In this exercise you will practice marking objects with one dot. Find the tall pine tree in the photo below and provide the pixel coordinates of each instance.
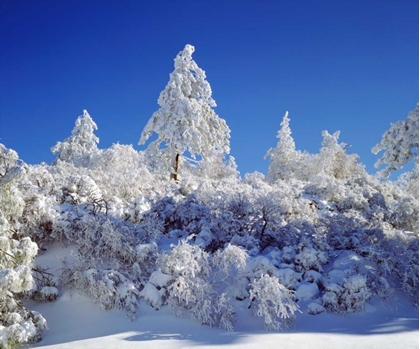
(185, 120)
(283, 158)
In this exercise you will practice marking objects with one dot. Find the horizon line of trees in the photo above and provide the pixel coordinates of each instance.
(186, 123)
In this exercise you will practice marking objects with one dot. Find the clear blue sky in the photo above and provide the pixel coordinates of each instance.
(349, 65)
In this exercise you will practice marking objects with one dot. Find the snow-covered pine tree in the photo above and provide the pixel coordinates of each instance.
(400, 143)
(81, 145)
(185, 120)
(283, 158)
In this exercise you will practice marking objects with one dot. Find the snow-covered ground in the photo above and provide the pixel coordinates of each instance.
(75, 322)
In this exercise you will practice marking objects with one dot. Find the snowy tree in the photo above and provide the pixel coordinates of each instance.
(185, 120)
(17, 324)
(121, 171)
(400, 143)
(333, 159)
(11, 203)
(81, 145)
(283, 158)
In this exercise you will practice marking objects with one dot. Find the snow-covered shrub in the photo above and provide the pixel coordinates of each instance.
(45, 286)
(188, 280)
(306, 291)
(121, 172)
(17, 323)
(162, 213)
(151, 228)
(382, 288)
(229, 260)
(271, 300)
(111, 264)
(403, 252)
(334, 161)
(189, 267)
(315, 308)
(39, 217)
(343, 231)
(241, 210)
(191, 216)
(20, 329)
(106, 287)
(310, 259)
(289, 278)
(349, 297)
(155, 291)
(225, 312)
(228, 266)
(146, 257)
(135, 209)
(45, 294)
(83, 190)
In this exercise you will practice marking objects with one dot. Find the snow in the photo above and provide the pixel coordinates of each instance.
(75, 322)
(306, 291)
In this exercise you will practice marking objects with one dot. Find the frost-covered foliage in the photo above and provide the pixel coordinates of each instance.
(289, 164)
(81, 146)
(284, 159)
(215, 167)
(273, 301)
(185, 120)
(400, 144)
(111, 264)
(189, 279)
(334, 161)
(349, 297)
(122, 172)
(17, 323)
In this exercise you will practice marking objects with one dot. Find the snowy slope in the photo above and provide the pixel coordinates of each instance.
(74, 322)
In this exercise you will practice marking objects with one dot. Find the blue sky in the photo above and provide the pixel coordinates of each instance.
(334, 65)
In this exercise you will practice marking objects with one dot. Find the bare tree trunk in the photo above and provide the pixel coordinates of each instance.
(174, 174)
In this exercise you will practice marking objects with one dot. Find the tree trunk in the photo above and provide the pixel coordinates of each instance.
(174, 174)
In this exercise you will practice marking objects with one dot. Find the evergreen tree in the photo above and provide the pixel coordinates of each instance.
(400, 143)
(283, 158)
(81, 145)
(185, 120)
